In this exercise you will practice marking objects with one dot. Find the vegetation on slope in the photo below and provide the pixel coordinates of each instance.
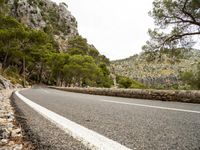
(160, 70)
(191, 78)
(177, 23)
(37, 51)
(125, 82)
(167, 60)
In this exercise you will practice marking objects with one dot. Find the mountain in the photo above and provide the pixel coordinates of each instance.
(39, 41)
(45, 15)
(158, 69)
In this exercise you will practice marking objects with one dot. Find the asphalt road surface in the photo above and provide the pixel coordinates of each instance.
(134, 123)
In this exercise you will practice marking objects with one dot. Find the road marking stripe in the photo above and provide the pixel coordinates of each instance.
(151, 106)
(89, 138)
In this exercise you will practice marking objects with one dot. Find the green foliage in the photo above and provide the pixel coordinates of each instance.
(104, 79)
(125, 82)
(181, 20)
(81, 66)
(78, 70)
(79, 46)
(137, 85)
(19, 43)
(191, 78)
(12, 74)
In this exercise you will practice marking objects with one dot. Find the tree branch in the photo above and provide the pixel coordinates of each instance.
(182, 20)
(178, 36)
(189, 14)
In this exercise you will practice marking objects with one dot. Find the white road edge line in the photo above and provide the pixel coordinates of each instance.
(89, 138)
(151, 106)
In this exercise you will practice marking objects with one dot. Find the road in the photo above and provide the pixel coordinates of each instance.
(133, 123)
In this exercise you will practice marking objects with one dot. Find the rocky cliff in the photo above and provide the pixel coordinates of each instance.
(45, 15)
(158, 69)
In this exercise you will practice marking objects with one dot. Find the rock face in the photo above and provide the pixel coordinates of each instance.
(5, 84)
(46, 15)
(160, 70)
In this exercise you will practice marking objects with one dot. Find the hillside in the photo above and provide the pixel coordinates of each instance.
(39, 41)
(158, 69)
(45, 15)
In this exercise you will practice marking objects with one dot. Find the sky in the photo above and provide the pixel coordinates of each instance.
(117, 28)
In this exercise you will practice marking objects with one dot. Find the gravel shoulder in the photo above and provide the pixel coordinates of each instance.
(11, 137)
(43, 134)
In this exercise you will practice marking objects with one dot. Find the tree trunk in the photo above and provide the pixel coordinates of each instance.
(40, 73)
(31, 70)
(5, 60)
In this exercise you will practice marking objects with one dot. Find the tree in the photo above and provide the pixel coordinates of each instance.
(57, 64)
(177, 21)
(81, 70)
(191, 78)
(18, 43)
(77, 46)
(124, 82)
(81, 66)
(103, 78)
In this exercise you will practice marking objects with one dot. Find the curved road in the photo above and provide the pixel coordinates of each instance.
(133, 123)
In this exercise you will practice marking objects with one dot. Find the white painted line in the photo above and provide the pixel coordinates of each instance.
(89, 138)
(151, 106)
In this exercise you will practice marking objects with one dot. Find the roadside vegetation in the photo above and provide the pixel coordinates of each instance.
(191, 79)
(35, 55)
(125, 82)
(177, 26)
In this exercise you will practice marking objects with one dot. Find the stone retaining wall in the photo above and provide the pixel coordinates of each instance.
(163, 95)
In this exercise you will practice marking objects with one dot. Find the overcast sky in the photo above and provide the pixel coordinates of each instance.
(117, 28)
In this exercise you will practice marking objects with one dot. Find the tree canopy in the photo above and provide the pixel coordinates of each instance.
(79, 65)
(177, 21)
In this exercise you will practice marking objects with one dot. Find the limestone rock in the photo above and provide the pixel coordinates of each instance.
(48, 16)
(5, 84)
(157, 70)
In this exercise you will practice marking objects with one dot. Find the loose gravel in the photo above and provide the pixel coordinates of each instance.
(11, 137)
(43, 134)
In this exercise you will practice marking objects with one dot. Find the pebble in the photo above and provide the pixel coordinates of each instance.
(10, 126)
(4, 141)
(18, 147)
(16, 133)
(7, 128)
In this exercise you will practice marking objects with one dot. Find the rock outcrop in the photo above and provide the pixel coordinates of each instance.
(159, 70)
(5, 83)
(46, 15)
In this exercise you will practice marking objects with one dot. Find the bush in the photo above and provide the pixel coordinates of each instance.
(12, 74)
(191, 78)
(125, 82)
